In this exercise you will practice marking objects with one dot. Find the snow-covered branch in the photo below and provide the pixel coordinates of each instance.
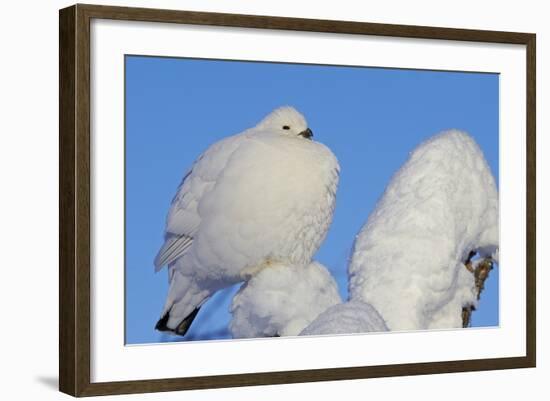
(282, 300)
(347, 318)
(409, 258)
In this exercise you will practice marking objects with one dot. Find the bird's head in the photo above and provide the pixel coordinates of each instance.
(286, 121)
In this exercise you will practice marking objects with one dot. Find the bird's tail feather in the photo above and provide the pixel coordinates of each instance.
(182, 328)
(185, 297)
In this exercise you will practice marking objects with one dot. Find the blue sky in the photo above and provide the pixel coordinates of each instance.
(371, 118)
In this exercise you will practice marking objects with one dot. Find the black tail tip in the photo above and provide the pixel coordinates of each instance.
(161, 324)
(182, 328)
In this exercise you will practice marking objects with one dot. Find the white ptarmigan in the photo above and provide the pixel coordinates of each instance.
(251, 200)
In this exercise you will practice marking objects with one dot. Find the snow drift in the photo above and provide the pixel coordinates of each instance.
(408, 259)
(347, 318)
(281, 300)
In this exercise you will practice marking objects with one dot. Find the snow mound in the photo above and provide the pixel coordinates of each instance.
(281, 300)
(408, 259)
(347, 318)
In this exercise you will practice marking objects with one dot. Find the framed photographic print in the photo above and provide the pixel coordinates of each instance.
(250, 200)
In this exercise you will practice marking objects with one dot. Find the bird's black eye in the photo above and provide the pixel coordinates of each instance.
(286, 127)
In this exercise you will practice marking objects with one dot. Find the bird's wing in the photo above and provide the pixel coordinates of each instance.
(183, 218)
(173, 247)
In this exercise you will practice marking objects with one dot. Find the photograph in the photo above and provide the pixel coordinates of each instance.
(261, 199)
(275, 199)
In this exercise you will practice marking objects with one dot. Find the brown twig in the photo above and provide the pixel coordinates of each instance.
(481, 272)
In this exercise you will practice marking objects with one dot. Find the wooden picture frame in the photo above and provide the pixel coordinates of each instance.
(75, 199)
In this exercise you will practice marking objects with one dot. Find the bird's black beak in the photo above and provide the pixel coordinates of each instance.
(306, 134)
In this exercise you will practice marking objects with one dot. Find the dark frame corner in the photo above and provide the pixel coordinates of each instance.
(74, 198)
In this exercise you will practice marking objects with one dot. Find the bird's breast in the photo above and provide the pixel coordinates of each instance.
(274, 200)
